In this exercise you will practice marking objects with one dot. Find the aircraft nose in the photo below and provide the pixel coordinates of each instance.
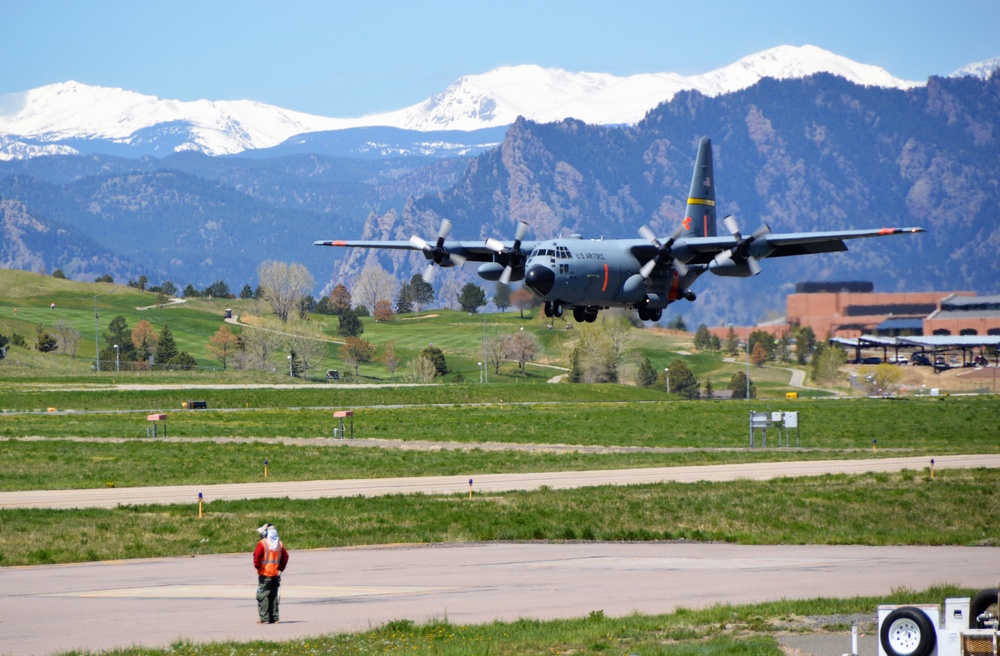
(540, 279)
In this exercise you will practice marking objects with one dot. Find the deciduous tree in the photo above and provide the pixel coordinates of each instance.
(356, 351)
(310, 346)
(144, 339)
(521, 348)
(390, 358)
(283, 285)
(340, 299)
(523, 299)
(373, 285)
(383, 311)
(223, 344)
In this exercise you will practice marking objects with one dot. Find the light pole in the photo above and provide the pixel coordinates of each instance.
(748, 364)
(486, 358)
(289, 366)
(480, 365)
(666, 377)
(118, 359)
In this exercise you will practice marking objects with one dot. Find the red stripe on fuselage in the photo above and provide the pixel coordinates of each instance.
(604, 287)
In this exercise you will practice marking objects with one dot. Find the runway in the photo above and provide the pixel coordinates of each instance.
(100, 606)
(180, 494)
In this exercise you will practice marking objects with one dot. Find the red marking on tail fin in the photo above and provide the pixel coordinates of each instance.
(687, 223)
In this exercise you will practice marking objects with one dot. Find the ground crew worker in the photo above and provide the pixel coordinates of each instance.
(270, 558)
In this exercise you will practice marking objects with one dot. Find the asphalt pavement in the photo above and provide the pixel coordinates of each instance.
(157, 602)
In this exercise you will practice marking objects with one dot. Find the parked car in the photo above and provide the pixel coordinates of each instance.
(919, 359)
(900, 360)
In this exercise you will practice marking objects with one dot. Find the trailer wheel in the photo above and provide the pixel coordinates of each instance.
(979, 604)
(907, 631)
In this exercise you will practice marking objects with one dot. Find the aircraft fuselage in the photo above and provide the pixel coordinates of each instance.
(596, 274)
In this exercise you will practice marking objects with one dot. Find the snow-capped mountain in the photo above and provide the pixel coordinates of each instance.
(544, 95)
(982, 69)
(64, 117)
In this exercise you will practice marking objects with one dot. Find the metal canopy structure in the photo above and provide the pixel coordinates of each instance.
(934, 344)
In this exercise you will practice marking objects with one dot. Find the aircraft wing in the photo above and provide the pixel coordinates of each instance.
(806, 243)
(782, 245)
(473, 251)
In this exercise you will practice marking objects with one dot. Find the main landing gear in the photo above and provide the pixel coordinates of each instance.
(649, 314)
(581, 314)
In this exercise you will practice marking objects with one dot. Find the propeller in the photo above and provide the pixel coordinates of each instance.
(515, 258)
(437, 254)
(742, 248)
(663, 253)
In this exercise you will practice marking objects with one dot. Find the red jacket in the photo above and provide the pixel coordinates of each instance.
(266, 565)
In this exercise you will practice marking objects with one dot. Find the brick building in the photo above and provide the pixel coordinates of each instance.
(852, 309)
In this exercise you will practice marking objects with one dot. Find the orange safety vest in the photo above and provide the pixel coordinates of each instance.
(272, 559)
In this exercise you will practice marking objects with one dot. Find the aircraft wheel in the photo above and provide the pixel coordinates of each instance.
(643, 313)
(580, 314)
(907, 631)
(548, 309)
(980, 604)
(591, 316)
(557, 309)
(655, 315)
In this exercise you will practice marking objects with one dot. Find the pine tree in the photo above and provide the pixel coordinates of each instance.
(501, 297)
(738, 386)
(646, 375)
(421, 292)
(166, 347)
(350, 325)
(682, 380)
(436, 356)
(471, 298)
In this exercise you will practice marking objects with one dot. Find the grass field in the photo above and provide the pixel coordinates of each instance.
(720, 630)
(194, 321)
(832, 509)
(94, 438)
(684, 432)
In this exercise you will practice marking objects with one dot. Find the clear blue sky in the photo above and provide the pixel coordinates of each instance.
(345, 59)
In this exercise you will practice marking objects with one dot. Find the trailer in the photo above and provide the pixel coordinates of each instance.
(963, 626)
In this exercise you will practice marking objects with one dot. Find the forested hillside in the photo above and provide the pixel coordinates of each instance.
(808, 154)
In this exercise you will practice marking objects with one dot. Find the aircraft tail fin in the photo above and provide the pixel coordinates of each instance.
(699, 219)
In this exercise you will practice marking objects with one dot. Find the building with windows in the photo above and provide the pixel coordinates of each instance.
(853, 309)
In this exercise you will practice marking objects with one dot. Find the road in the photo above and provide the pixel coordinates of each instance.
(157, 602)
(180, 494)
(100, 606)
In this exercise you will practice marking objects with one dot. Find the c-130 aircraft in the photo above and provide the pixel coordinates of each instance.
(589, 275)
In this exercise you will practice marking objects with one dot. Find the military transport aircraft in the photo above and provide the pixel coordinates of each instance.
(647, 274)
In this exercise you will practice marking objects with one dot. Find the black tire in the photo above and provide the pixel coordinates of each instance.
(983, 600)
(907, 631)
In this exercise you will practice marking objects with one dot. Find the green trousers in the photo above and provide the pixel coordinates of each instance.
(267, 598)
